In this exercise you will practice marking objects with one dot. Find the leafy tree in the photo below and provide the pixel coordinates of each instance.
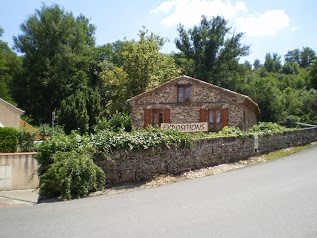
(313, 74)
(10, 65)
(82, 110)
(265, 92)
(293, 56)
(136, 67)
(214, 50)
(57, 50)
(298, 104)
(272, 62)
(282, 91)
(307, 57)
(290, 68)
(257, 64)
(95, 108)
(73, 113)
(115, 84)
(145, 65)
(303, 58)
(4, 91)
(187, 65)
(247, 65)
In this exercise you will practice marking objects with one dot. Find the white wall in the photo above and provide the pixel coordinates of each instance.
(18, 171)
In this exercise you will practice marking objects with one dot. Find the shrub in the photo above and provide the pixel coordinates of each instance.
(231, 131)
(118, 122)
(106, 141)
(26, 140)
(59, 142)
(8, 140)
(262, 128)
(71, 175)
(45, 131)
(267, 128)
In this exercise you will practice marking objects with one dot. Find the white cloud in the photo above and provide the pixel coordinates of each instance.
(164, 7)
(268, 23)
(189, 12)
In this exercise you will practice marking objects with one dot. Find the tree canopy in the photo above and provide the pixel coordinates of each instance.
(302, 58)
(136, 67)
(10, 65)
(214, 51)
(57, 50)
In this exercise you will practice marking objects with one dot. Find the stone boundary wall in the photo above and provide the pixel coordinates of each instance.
(16, 170)
(287, 139)
(133, 166)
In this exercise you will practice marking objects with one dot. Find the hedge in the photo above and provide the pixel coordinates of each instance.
(8, 140)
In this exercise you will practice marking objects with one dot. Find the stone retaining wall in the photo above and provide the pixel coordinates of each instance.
(132, 166)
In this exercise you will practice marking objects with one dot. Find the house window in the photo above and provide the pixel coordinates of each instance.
(183, 94)
(215, 119)
(158, 117)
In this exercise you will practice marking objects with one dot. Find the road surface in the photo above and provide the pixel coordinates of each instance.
(275, 199)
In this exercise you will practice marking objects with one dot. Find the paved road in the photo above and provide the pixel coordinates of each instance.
(276, 199)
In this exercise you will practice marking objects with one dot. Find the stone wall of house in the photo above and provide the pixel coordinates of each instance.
(132, 166)
(201, 96)
(250, 117)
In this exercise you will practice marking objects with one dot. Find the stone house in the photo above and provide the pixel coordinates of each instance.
(9, 115)
(189, 104)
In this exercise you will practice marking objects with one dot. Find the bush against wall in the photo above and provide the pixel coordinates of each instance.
(26, 140)
(71, 175)
(56, 143)
(61, 152)
(8, 140)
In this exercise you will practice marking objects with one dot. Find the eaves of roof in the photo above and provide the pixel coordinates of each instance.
(11, 106)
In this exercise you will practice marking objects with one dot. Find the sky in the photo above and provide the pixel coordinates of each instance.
(270, 26)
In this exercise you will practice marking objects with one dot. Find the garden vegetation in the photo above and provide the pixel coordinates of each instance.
(66, 162)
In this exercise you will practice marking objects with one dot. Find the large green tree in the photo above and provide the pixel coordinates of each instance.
(272, 62)
(303, 58)
(133, 67)
(57, 49)
(266, 93)
(73, 113)
(10, 65)
(283, 91)
(212, 51)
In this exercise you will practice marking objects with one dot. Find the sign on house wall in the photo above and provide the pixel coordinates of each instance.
(188, 127)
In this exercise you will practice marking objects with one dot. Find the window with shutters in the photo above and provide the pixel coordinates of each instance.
(183, 94)
(158, 117)
(217, 118)
(155, 117)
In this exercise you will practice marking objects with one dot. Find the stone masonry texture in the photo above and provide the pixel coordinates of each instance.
(242, 110)
(134, 166)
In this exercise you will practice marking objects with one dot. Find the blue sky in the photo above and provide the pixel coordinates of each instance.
(270, 25)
